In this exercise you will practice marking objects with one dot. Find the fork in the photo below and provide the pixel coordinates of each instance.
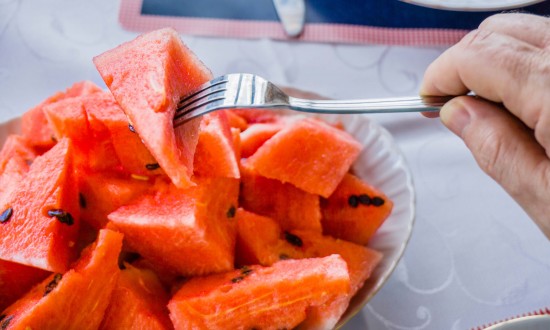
(243, 90)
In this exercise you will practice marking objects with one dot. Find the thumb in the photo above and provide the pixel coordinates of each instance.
(506, 150)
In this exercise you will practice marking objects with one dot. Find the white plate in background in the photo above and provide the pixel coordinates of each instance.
(473, 5)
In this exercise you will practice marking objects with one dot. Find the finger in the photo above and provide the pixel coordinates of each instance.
(532, 29)
(506, 150)
(497, 67)
(430, 114)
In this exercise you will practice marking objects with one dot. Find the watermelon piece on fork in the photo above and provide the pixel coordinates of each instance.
(148, 76)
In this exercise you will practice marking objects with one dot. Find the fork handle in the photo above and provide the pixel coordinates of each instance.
(404, 104)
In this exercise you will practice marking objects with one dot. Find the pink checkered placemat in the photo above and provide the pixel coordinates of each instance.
(131, 18)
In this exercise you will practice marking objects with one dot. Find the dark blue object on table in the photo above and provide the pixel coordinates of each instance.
(377, 13)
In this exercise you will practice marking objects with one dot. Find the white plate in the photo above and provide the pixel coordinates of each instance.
(382, 165)
(535, 322)
(473, 5)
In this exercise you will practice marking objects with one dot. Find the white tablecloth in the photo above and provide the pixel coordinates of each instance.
(474, 256)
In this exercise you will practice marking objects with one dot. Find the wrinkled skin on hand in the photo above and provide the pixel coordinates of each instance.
(506, 62)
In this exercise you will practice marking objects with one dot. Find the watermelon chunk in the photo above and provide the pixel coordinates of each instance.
(254, 116)
(292, 207)
(76, 299)
(256, 135)
(215, 153)
(10, 179)
(67, 118)
(109, 121)
(256, 297)
(236, 121)
(16, 280)
(260, 240)
(103, 192)
(43, 226)
(236, 133)
(309, 154)
(191, 231)
(148, 76)
(138, 302)
(355, 210)
(34, 125)
(16, 146)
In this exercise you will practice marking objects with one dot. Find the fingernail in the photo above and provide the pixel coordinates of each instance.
(455, 116)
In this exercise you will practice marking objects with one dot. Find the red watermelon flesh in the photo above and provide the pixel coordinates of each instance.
(138, 302)
(355, 210)
(16, 280)
(236, 121)
(103, 192)
(70, 118)
(256, 135)
(14, 172)
(109, 120)
(260, 240)
(31, 236)
(309, 154)
(254, 116)
(215, 153)
(76, 299)
(256, 297)
(191, 231)
(67, 118)
(34, 125)
(361, 263)
(292, 207)
(16, 146)
(236, 134)
(148, 76)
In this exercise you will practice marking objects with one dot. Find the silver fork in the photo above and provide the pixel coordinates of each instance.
(242, 90)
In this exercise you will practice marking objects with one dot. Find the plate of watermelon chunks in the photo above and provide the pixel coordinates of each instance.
(111, 218)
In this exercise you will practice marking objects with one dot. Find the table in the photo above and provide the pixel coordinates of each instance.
(474, 256)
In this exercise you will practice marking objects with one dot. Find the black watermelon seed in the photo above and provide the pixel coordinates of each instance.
(2, 317)
(293, 239)
(53, 283)
(5, 321)
(131, 128)
(81, 200)
(246, 271)
(283, 256)
(6, 215)
(364, 199)
(353, 201)
(377, 201)
(152, 167)
(62, 216)
(231, 212)
(237, 279)
(54, 139)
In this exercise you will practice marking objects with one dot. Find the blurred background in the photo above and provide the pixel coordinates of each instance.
(474, 256)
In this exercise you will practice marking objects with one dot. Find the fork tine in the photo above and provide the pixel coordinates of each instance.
(200, 102)
(204, 91)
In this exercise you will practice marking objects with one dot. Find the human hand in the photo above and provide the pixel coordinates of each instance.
(506, 62)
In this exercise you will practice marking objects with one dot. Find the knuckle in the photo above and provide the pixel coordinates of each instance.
(476, 38)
